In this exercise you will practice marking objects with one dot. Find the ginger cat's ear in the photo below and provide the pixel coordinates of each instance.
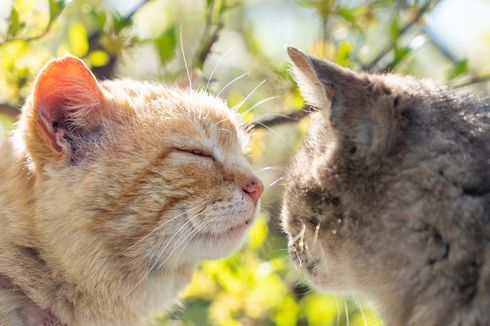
(67, 99)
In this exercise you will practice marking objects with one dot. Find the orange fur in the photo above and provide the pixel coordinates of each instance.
(109, 229)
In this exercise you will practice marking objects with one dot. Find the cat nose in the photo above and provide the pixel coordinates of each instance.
(254, 188)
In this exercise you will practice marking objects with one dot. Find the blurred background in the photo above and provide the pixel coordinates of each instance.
(235, 48)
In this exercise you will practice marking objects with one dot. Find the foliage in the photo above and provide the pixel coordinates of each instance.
(221, 41)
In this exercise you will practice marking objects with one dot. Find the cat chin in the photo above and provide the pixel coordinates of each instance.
(215, 246)
(225, 238)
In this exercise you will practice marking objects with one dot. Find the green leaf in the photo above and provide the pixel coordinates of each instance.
(344, 51)
(98, 58)
(400, 53)
(166, 44)
(320, 309)
(395, 28)
(15, 25)
(99, 16)
(78, 39)
(347, 14)
(55, 9)
(459, 68)
(226, 6)
(119, 22)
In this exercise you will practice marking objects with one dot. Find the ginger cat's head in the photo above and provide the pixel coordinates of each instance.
(132, 178)
(390, 194)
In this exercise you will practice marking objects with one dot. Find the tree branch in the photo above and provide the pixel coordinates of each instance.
(107, 71)
(474, 80)
(207, 46)
(35, 37)
(278, 119)
(421, 12)
(9, 110)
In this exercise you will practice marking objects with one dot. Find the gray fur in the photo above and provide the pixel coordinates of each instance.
(395, 180)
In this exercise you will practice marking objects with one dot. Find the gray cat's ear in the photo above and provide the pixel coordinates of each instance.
(315, 93)
(360, 108)
(322, 82)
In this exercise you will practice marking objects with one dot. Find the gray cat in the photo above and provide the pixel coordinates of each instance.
(390, 195)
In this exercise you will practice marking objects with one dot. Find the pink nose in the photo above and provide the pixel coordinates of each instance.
(254, 188)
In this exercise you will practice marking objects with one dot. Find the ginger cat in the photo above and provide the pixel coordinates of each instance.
(111, 193)
(390, 195)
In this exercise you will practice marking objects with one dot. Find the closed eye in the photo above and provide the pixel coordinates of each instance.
(196, 152)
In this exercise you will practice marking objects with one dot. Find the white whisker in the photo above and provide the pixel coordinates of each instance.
(297, 256)
(337, 304)
(275, 181)
(361, 309)
(162, 251)
(187, 239)
(346, 308)
(267, 168)
(300, 234)
(231, 82)
(216, 67)
(317, 229)
(274, 132)
(217, 123)
(170, 241)
(183, 57)
(157, 228)
(259, 103)
(239, 105)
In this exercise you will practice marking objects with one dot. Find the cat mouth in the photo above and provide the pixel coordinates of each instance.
(230, 232)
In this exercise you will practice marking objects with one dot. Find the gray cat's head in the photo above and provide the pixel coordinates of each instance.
(391, 186)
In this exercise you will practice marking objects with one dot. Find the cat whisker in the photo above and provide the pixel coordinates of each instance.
(300, 234)
(361, 309)
(275, 181)
(259, 103)
(162, 252)
(346, 309)
(217, 123)
(225, 131)
(274, 132)
(239, 105)
(337, 304)
(267, 168)
(156, 229)
(231, 82)
(317, 229)
(152, 263)
(170, 241)
(185, 239)
(183, 57)
(300, 263)
(216, 67)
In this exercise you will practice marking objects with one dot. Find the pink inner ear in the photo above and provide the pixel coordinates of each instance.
(66, 91)
(330, 91)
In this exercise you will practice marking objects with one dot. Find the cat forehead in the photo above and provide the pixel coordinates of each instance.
(193, 113)
(408, 85)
